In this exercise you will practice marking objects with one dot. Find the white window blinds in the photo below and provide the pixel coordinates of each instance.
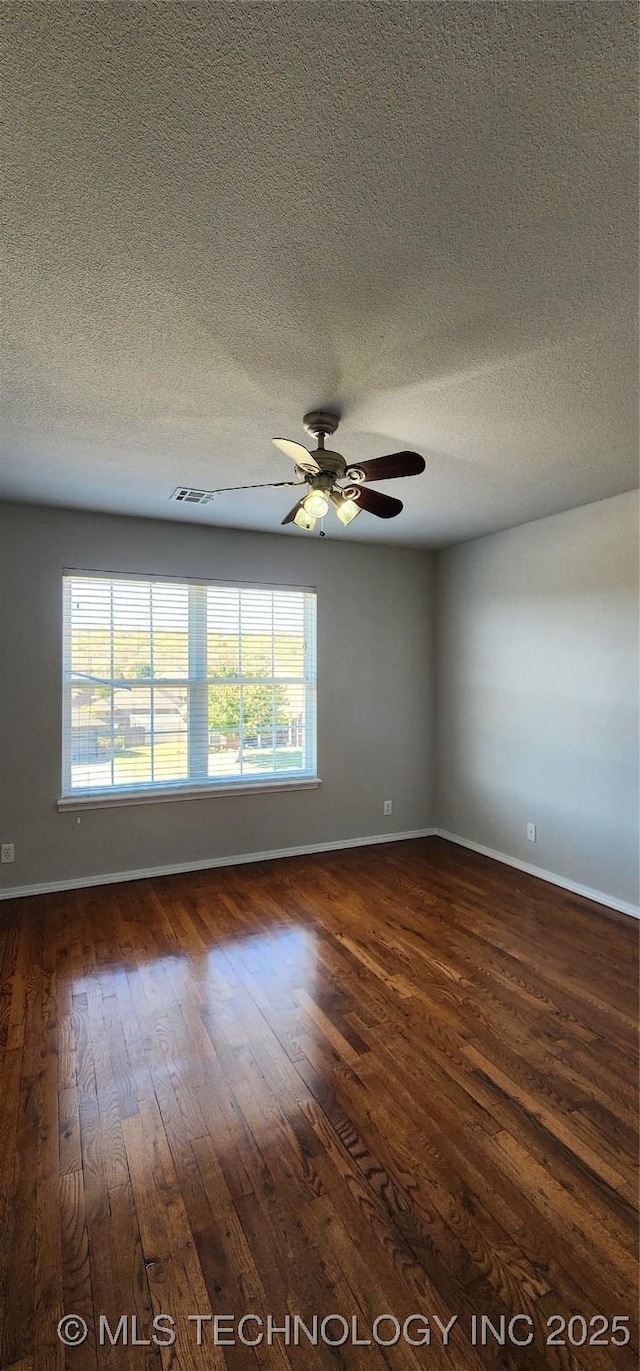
(176, 685)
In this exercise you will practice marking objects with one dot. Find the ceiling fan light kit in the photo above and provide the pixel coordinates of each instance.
(332, 482)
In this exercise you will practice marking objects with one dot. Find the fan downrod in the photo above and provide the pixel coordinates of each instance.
(319, 423)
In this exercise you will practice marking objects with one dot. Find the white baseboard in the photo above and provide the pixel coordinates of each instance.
(623, 906)
(112, 877)
(209, 863)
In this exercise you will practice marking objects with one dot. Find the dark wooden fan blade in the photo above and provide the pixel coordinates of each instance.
(396, 464)
(384, 506)
(289, 518)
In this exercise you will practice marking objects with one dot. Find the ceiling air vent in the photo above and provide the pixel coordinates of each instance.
(186, 495)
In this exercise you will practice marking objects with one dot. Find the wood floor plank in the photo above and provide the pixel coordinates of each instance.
(240, 1257)
(19, 1276)
(76, 1270)
(386, 1080)
(174, 1272)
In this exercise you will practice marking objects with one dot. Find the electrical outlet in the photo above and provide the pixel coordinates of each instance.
(531, 833)
(387, 807)
(7, 852)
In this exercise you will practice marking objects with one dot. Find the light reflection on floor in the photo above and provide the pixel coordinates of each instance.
(210, 1018)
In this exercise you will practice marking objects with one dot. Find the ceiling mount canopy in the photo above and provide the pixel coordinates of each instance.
(318, 423)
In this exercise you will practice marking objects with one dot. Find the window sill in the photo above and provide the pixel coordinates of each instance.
(101, 800)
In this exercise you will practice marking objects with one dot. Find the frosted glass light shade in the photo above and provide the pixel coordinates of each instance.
(304, 520)
(316, 504)
(347, 511)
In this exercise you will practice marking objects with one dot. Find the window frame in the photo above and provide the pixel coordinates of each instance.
(198, 783)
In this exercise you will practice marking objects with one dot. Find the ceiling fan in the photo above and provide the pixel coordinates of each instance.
(333, 481)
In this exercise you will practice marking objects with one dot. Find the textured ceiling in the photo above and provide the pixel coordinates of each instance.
(220, 216)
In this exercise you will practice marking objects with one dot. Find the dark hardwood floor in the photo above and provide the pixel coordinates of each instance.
(397, 1080)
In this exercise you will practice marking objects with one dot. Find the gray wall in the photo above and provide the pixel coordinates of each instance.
(375, 650)
(536, 697)
(537, 693)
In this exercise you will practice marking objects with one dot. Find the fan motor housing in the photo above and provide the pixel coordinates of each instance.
(331, 462)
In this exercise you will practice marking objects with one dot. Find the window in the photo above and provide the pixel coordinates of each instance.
(172, 686)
